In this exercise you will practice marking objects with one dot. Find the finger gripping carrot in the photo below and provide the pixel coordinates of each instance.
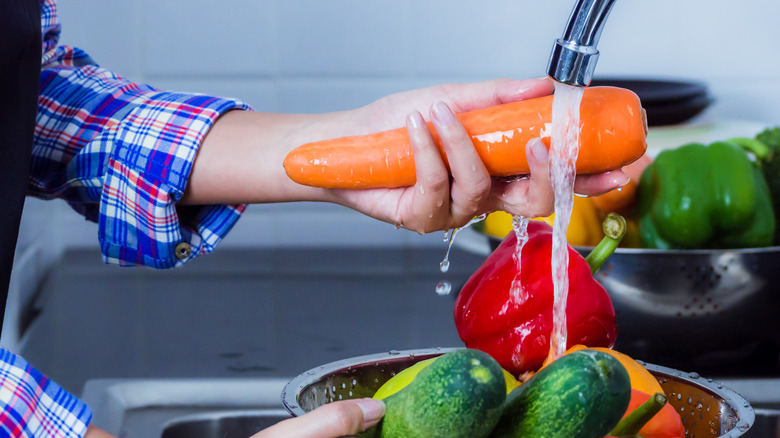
(612, 123)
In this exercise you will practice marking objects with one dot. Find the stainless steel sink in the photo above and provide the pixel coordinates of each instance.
(767, 423)
(192, 408)
(242, 424)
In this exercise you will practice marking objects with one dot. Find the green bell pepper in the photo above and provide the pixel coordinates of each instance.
(699, 196)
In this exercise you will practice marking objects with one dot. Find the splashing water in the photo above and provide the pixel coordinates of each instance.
(565, 143)
(517, 291)
(444, 287)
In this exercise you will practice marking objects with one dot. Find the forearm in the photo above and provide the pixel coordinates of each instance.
(240, 160)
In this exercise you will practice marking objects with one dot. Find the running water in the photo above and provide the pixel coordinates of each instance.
(520, 226)
(444, 287)
(565, 143)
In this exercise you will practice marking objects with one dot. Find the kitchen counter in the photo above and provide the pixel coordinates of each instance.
(271, 312)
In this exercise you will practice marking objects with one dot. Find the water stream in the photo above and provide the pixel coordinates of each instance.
(565, 140)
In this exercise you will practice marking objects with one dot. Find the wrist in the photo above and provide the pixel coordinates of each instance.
(241, 158)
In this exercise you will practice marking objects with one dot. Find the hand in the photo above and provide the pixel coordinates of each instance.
(332, 420)
(441, 201)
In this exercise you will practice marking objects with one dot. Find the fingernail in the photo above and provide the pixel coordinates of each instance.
(442, 113)
(414, 120)
(539, 150)
(619, 179)
(373, 410)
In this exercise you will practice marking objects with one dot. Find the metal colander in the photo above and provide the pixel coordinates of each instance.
(695, 309)
(707, 408)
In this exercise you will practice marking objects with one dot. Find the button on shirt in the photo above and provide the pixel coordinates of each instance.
(120, 154)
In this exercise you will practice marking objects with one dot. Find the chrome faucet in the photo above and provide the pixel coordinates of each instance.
(574, 55)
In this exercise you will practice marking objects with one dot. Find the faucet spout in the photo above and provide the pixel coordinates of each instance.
(574, 55)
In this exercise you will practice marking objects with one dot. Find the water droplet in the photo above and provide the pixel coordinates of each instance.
(619, 189)
(422, 190)
(393, 352)
(443, 288)
(693, 375)
(444, 266)
(397, 226)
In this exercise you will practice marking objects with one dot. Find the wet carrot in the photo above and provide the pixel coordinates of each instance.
(613, 130)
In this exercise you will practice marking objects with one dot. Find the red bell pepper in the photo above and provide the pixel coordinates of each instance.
(517, 334)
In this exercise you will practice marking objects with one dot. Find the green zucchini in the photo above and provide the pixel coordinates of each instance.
(459, 395)
(581, 395)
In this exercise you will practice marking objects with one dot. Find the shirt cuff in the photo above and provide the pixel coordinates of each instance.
(139, 222)
(31, 405)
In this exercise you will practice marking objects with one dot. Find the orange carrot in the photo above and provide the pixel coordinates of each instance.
(613, 130)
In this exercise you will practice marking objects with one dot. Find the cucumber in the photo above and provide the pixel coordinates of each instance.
(581, 395)
(405, 377)
(459, 395)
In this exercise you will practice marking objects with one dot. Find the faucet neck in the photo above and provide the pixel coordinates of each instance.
(574, 55)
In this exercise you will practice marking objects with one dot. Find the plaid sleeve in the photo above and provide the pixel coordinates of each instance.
(120, 153)
(31, 405)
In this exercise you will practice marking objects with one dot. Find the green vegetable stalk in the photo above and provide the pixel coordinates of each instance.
(614, 228)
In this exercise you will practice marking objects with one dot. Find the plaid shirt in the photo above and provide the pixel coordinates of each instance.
(120, 154)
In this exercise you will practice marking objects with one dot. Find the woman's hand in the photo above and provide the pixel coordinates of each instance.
(333, 420)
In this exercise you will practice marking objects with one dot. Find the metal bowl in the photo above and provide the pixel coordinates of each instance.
(695, 309)
(707, 408)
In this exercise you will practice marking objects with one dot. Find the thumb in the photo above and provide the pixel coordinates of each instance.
(346, 417)
(540, 190)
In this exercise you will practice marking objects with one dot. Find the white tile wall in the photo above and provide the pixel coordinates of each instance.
(316, 56)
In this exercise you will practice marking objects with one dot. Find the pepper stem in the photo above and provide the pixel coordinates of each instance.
(614, 227)
(636, 419)
(756, 147)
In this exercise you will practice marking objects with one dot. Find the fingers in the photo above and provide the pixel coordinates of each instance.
(431, 197)
(529, 197)
(471, 181)
(332, 420)
(594, 185)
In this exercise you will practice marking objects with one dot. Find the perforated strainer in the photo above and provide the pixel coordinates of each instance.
(695, 309)
(708, 409)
